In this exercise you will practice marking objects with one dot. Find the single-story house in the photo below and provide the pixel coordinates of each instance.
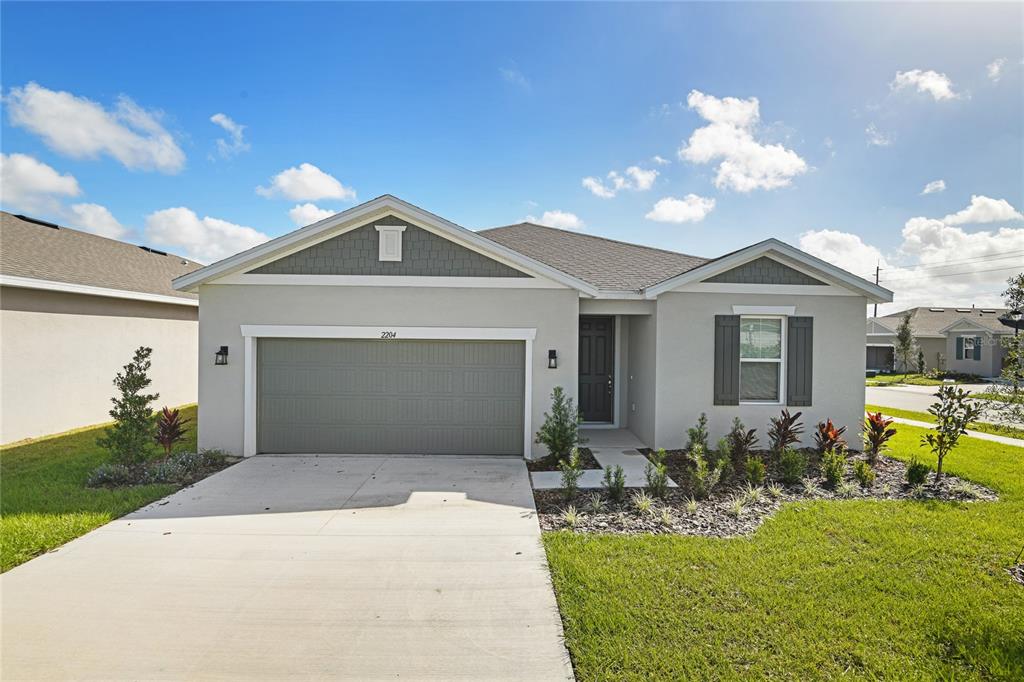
(964, 339)
(74, 306)
(387, 329)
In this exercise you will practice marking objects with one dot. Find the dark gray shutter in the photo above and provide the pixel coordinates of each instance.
(727, 359)
(799, 360)
(977, 348)
(959, 348)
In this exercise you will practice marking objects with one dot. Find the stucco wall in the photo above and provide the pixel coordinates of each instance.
(553, 312)
(685, 350)
(990, 364)
(933, 349)
(643, 376)
(59, 353)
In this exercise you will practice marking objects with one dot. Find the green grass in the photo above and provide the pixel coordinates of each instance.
(828, 589)
(914, 379)
(43, 499)
(983, 427)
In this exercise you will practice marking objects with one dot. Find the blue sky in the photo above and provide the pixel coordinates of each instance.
(487, 114)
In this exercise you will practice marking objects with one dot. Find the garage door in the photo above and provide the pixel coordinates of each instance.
(369, 396)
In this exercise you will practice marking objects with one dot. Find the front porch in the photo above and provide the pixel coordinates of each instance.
(610, 447)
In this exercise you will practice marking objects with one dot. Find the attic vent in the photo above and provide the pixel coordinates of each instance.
(152, 250)
(390, 244)
(963, 310)
(937, 310)
(37, 221)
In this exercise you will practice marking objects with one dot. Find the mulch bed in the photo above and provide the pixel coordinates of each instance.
(717, 516)
(550, 463)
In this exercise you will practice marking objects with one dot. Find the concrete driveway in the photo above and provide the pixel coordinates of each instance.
(356, 568)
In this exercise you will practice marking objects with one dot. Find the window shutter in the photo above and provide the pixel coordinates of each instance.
(727, 360)
(959, 348)
(977, 348)
(799, 360)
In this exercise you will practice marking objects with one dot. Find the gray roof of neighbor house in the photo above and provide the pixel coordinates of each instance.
(605, 263)
(36, 250)
(932, 320)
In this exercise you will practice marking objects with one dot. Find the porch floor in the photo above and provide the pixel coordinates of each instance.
(610, 447)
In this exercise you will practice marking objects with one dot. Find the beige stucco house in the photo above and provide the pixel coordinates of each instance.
(73, 308)
(387, 329)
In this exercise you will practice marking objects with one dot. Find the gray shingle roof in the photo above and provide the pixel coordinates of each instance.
(931, 321)
(607, 264)
(28, 249)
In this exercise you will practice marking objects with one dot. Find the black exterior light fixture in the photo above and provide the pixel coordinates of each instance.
(221, 356)
(552, 359)
(1013, 318)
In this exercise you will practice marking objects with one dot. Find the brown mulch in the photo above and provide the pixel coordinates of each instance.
(717, 515)
(550, 463)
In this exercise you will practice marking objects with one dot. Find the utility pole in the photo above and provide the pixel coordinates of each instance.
(877, 270)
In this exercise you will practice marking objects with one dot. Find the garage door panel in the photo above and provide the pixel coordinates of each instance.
(372, 396)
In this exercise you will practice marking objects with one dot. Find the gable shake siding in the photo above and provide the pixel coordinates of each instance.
(764, 270)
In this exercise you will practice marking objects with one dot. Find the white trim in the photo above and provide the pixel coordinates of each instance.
(751, 310)
(880, 345)
(786, 254)
(84, 289)
(383, 233)
(418, 281)
(251, 332)
(916, 336)
(616, 416)
(357, 215)
(970, 327)
(780, 361)
(777, 289)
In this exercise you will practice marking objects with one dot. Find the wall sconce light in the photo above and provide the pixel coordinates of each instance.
(552, 359)
(221, 356)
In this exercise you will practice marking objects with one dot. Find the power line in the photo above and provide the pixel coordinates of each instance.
(936, 266)
(952, 274)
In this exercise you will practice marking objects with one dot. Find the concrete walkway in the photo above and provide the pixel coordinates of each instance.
(351, 568)
(610, 447)
(973, 434)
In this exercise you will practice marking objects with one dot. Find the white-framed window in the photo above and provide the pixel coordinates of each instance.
(968, 344)
(390, 246)
(762, 358)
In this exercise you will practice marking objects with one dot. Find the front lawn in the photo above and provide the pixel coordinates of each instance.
(983, 427)
(43, 499)
(865, 589)
(914, 379)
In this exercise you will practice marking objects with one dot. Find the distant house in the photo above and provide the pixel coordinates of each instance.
(73, 308)
(956, 339)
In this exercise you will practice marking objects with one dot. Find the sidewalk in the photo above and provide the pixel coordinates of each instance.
(973, 434)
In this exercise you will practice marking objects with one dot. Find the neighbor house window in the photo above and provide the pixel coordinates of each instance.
(761, 359)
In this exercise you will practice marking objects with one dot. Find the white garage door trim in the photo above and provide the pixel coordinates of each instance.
(251, 332)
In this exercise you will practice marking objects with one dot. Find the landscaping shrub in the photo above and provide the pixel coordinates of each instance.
(755, 471)
(182, 468)
(784, 431)
(657, 473)
(917, 472)
(560, 432)
(864, 474)
(642, 502)
(793, 464)
(130, 439)
(828, 437)
(953, 414)
(833, 466)
(615, 482)
(704, 477)
(698, 434)
(571, 472)
(721, 457)
(877, 433)
(741, 443)
(170, 429)
(571, 516)
(110, 475)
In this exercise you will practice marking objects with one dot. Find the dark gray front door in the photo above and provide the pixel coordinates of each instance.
(597, 368)
(373, 396)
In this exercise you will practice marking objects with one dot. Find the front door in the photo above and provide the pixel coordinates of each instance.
(597, 368)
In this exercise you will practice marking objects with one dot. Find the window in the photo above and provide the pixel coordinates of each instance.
(968, 344)
(761, 340)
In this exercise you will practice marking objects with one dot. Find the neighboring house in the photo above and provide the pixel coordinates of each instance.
(73, 308)
(387, 329)
(955, 339)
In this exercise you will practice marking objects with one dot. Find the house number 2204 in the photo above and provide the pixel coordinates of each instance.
(388, 334)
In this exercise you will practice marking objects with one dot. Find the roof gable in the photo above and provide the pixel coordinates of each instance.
(764, 270)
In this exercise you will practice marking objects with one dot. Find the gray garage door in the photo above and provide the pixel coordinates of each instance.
(371, 396)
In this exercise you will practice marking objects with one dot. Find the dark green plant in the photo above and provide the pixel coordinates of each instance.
(657, 473)
(741, 443)
(170, 429)
(703, 478)
(864, 474)
(953, 413)
(698, 433)
(920, 361)
(784, 431)
(917, 471)
(905, 347)
(560, 432)
(793, 465)
(130, 439)
(755, 471)
(615, 482)
(571, 472)
(833, 466)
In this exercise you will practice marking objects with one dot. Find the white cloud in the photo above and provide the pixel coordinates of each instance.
(634, 178)
(307, 214)
(556, 218)
(236, 143)
(81, 128)
(938, 85)
(934, 186)
(984, 210)
(746, 164)
(660, 160)
(96, 219)
(995, 69)
(689, 209)
(306, 183)
(30, 185)
(877, 138)
(513, 75)
(201, 239)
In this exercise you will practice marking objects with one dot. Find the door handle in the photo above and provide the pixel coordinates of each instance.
(611, 387)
